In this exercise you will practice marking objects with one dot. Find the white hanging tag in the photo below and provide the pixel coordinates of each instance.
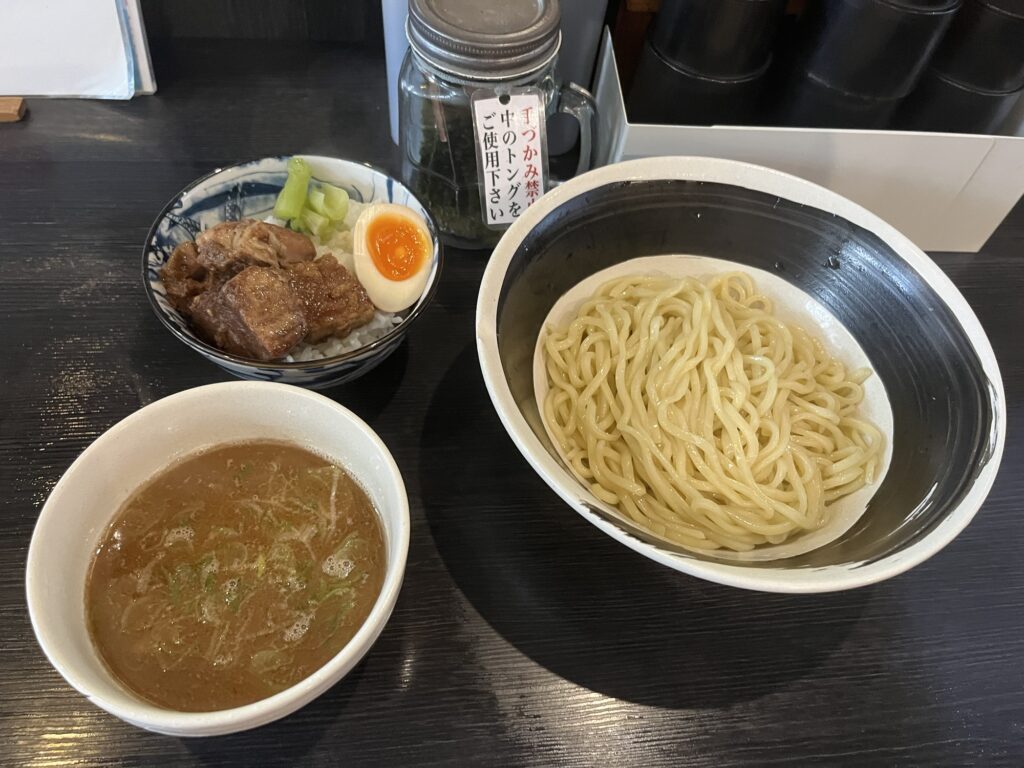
(511, 152)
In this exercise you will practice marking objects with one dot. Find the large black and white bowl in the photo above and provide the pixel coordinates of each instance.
(248, 190)
(922, 338)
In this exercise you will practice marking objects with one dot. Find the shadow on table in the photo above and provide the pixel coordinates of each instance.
(285, 741)
(587, 608)
(179, 367)
(368, 395)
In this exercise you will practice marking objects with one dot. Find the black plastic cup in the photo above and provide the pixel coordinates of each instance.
(942, 105)
(716, 38)
(872, 48)
(984, 48)
(807, 102)
(665, 93)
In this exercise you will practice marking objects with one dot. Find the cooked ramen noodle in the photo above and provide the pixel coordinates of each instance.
(702, 416)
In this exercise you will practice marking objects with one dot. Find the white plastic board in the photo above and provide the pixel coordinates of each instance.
(68, 48)
(947, 192)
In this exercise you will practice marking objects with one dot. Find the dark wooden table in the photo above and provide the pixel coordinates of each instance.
(522, 634)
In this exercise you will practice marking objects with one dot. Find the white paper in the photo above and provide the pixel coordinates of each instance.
(793, 306)
(64, 48)
(510, 152)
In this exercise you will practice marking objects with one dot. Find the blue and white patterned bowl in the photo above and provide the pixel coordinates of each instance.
(248, 190)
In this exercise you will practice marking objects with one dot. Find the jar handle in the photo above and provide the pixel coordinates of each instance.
(576, 100)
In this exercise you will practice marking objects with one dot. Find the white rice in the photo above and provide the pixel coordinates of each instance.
(343, 255)
(380, 326)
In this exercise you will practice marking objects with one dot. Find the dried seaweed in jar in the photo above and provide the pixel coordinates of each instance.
(440, 167)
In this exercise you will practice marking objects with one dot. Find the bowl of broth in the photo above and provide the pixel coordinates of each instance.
(219, 558)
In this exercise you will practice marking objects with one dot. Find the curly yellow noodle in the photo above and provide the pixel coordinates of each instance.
(701, 416)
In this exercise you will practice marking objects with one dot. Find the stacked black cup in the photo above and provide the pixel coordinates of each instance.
(704, 62)
(857, 59)
(977, 74)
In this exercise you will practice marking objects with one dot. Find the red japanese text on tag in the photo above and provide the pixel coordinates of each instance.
(509, 132)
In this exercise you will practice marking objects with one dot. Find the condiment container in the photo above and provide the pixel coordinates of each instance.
(664, 92)
(943, 105)
(810, 103)
(475, 92)
(716, 38)
(872, 48)
(984, 48)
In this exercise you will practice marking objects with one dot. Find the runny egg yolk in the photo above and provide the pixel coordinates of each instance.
(396, 246)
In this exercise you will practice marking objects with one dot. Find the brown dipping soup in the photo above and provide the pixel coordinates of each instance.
(233, 575)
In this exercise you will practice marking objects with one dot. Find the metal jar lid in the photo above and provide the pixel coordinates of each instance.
(484, 39)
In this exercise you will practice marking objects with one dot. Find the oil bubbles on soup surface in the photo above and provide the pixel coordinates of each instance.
(233, 575)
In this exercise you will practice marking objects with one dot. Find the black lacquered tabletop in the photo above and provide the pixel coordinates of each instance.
(522, 636)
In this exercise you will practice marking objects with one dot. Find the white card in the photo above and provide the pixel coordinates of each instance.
(65, 48)
(510, 151)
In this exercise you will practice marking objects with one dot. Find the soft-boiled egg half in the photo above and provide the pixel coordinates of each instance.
(393, 254)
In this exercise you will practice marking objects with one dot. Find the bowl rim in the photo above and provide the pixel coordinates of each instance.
(234, 360)
(801, 191)
(136, 711)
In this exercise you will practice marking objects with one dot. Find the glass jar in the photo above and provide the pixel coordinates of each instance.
(446, 67)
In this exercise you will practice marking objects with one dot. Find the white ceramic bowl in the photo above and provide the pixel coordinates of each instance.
(924, 343)
(91, 492)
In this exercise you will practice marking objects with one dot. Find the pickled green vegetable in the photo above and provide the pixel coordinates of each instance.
(335, 202)
(293, 194)
(329, 201)
(315, 201)
(316, 224)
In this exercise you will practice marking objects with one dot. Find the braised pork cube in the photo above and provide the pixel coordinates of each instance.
(233, 245)
(333, 300)
(255, 314)
(184, 277)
